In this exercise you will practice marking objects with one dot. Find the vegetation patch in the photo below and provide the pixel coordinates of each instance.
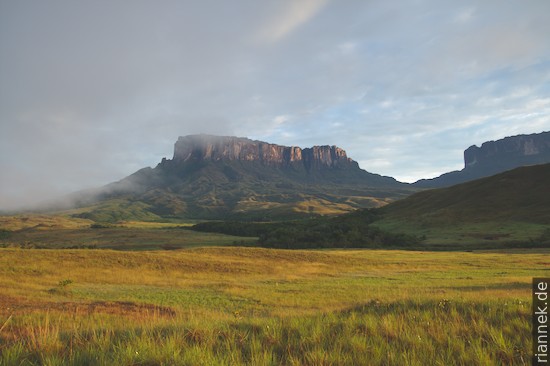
(348, 231)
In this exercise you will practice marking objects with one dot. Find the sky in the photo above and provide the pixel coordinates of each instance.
(92, 91)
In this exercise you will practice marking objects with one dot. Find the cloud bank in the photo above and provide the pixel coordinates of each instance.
(92, 91)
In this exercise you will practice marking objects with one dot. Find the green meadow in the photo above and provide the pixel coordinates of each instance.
(471, 235)
(252, 306)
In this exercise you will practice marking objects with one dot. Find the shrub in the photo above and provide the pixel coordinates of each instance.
(101, 225)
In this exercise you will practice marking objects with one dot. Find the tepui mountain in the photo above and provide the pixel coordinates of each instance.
(225, 177)
(495, 157)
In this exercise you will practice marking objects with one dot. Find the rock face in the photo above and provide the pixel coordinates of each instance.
(494, 157)
(510, 151)
(227, 148)
(219, 177)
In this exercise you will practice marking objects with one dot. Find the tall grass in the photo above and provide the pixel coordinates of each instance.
(399, 333)
(245, 306)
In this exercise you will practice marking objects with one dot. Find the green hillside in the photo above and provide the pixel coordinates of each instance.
(522, 194)
(237, 190)
(510, 207)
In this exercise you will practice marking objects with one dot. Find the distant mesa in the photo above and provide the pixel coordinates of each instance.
(228, 148)
(227, 177)
(494, 157)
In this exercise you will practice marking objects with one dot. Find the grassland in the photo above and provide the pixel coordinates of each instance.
(61, 232)
(471, 235)
(253, 306)
(23, 222)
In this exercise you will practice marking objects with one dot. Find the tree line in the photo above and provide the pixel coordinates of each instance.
(348, 231)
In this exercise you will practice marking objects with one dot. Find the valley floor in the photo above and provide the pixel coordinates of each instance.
(253, 306)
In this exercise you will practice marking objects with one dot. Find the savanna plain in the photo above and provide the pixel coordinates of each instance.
(205, 300)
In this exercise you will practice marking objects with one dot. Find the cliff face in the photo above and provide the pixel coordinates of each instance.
(510, 151)
(495, 157)
(226, 148)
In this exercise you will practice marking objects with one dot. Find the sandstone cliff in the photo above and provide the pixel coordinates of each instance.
(228, 148)
(495, 157)
(510, 151)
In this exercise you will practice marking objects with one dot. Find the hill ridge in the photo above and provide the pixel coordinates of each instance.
(520, 194)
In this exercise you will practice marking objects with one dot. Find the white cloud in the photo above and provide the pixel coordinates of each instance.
(465, 15)
(294, 14)
(347, 47)
(90, 92)
(279, 120)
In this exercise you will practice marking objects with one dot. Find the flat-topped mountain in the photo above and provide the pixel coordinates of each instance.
(234, 177)
(217, 148)
(495, 157)
(238, 157)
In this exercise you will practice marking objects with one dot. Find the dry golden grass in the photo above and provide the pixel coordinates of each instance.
(322, 207)
(21, 222)
(312, 278)
(261, 306)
